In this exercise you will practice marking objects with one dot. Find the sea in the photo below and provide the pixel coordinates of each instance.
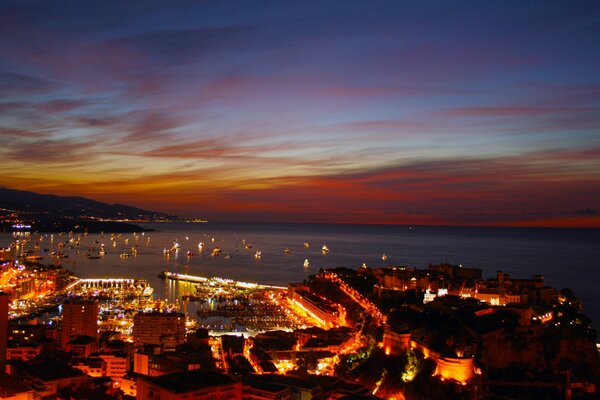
(568, 258)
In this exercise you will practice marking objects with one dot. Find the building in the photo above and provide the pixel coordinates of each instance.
(196, 384)
(255, 389)
(82, 346)
(23, 352)
(115, 365)
(92, 366)
(163, 329)
(3, 331)
(12, 389)
(79, 318)
(47, 378)
(395, 343)
(321, 310)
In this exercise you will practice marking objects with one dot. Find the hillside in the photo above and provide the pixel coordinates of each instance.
(76, 207)
(48, 213)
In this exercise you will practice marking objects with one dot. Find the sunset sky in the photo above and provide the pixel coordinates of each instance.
(424, 112)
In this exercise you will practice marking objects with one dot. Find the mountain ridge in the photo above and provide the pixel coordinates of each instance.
(73, 206)
(22, 209)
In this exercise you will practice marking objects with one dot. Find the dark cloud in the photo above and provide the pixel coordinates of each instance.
(586, 211)
(19, 84)
(172, 46)
(48, 151)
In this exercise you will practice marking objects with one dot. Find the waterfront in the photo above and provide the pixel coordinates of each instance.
(566, 257)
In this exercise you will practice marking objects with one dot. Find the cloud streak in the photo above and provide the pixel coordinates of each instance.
(475, 114)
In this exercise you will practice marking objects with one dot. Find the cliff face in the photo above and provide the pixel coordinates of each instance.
(540, 353)
(502, 349)
(578, 355)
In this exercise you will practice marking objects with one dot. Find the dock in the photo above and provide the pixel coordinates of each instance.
(217, 281)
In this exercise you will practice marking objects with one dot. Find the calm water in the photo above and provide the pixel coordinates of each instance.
(566, 257)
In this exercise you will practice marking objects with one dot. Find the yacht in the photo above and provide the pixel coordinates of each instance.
(258, 255)
(325, 249)
(306, 264)
(286, 251)
(216, 251)
(383, 257)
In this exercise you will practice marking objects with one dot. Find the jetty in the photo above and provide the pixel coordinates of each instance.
(216, 281)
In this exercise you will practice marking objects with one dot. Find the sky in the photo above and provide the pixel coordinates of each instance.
(387, 112)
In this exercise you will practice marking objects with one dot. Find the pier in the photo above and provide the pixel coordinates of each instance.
(216, 281)
(141, 286)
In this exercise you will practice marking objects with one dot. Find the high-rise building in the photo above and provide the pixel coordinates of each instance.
(163, 329)
(3, 331)
(79, 318)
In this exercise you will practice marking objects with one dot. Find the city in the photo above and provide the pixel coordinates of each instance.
(393, 332)
(296, 200)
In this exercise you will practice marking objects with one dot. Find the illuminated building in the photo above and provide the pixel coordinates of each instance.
(3, 331)
(115, 365)
(79, 318)
(48, 378)
(90, 366)
(503, 290)
(395, 343)
(24, 352)
(323, 311)
(197, 385)
(162, 329)
(455, 367)
(5, 254)
(82, 346)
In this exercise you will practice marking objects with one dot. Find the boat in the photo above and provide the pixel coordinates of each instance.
(227, 257)
(325, 249)
(383, 257)
(190, 254)
(248, 246)
(93, 257)
(258, 255)
(306, 245)
(216, 251)
(286, 251)
(34, 258)
(125, 255)
(306, 264)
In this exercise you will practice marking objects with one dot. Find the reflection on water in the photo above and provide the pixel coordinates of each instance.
(566, 257)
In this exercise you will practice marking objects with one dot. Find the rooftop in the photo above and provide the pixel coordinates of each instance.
(190, 380)
(51, 370)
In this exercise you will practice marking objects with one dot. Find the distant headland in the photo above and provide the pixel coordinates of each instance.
(23, 210)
